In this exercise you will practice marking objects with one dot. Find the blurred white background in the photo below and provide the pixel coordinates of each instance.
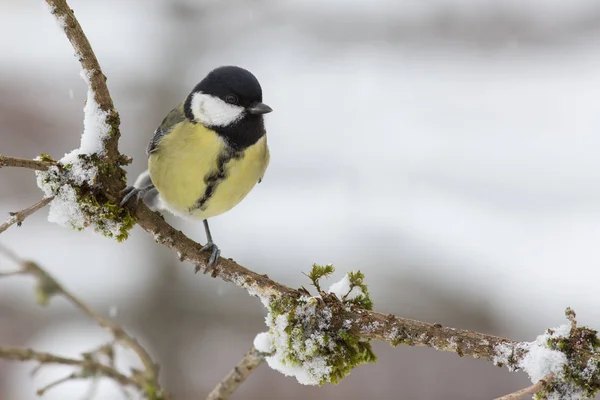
(448, 149)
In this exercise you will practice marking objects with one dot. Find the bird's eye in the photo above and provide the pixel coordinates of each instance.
(231, 99)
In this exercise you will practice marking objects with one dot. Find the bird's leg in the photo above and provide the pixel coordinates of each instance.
(131, 191)
(214, 255)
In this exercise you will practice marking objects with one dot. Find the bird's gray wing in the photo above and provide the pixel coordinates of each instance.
(173, 118)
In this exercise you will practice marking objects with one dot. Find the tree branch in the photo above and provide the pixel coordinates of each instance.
(188, 250)
(355, 322)
(364, 323)
(48, 286)
(97, 80)
(539, 385)
(25, 163)
(70, 377)
(91, 366)
(19, 216)
(396, 330)
(237, 375)
(115, 329)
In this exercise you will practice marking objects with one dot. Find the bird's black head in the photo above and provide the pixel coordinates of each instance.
(229, 101)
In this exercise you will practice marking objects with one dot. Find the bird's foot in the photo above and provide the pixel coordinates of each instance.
(214, 255)
(132, 191)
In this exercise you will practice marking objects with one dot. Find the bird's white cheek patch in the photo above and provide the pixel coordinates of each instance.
(212, 111)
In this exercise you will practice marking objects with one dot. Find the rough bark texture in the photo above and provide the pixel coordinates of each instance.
(84, 53)
(24, 163)
(364, 323)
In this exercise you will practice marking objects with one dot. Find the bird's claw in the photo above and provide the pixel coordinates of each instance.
(129, 192)
(214, 255)
(132, 191)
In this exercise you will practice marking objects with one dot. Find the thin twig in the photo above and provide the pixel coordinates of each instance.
(363, 323)
(25, 163)
(64, 15)
(93, 388)
(19, 216)
(237, 375)
(10, 273)
(30, 267)
(53, 384)
(536, 387)
(116, 330)
(151, 369)
(572, 317)
(22, 354)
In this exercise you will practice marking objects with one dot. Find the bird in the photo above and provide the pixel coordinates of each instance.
(208, 152)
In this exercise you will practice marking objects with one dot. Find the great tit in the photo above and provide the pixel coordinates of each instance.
(208, 152)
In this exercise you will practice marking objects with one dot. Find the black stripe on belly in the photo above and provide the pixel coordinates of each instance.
(213, 179)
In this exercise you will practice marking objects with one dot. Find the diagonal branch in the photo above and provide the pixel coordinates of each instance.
(115, 329)
(19, 216)
(237, 375)
(364, 323)
(25, 163)
(48, 286)
(360, 322)
(97, 81)
(58, 382)
(188, 250)
(536, 387)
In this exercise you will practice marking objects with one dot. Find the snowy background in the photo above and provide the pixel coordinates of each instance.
(448, 149)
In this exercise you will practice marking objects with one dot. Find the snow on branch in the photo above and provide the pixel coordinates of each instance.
(563, 363)
(37, 165)
(573, 354)
(317, 338)
(101, 133)
(85, 183)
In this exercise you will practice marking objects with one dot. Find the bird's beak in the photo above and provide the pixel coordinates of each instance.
(259, 108)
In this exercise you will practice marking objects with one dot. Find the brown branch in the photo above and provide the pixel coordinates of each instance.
(115, 329)
(25, 163)
(19, 216)
(396, 330)
(91, 366)
(70, 377)
(364, 323)
(63, 13)
(52, 287)
(188, 250)
(237, 375)
(536, 387)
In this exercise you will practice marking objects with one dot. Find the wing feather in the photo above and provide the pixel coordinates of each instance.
(176, 116)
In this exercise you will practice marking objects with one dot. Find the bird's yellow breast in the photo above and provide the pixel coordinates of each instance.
(197, 174)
